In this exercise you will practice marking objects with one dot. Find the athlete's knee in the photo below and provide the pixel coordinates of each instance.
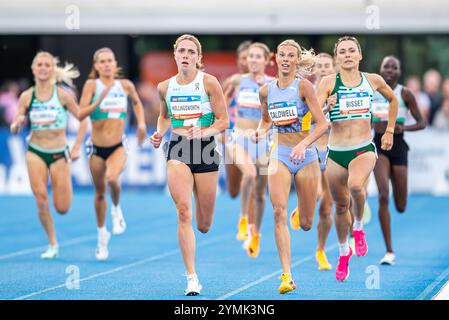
(184, 215)
(325, 208)
(233, 193)
(249, 178)
(62, 208)
(203, 227)
(306, 224)
(41, 199)
(100, 195)
(260, 196)
(280, 216)
(383, 197)
(356, 189)
(401, 206)
(112, 179)
(341, 207)
(325, 211)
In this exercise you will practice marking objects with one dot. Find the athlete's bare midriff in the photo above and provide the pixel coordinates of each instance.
(107, 133)
(245, 126)
(322, 142)
(182, 131)
(289, 139)
(49, 139)
(350, 132)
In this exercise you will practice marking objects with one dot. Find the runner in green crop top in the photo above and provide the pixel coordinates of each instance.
(351, 156)
(47, 155)
(108, 157)
(194, 104)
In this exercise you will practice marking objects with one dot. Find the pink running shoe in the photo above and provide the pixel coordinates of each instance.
(342, 271)
(361, 247)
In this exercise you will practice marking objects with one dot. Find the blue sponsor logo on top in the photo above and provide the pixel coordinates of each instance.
(185, 98)
(283, 104)
(354, 95)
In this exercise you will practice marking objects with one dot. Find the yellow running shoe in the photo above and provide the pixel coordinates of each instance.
(287, 283)
(294, 219)
(253, 245)
(242, 234)
(321, 259)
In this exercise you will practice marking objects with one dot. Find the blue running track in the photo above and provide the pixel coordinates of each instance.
(145, 262)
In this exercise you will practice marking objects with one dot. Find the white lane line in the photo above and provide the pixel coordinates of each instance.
(42, 248)
(271, 275)
(443, 294)
(124, 267)
(433, 285)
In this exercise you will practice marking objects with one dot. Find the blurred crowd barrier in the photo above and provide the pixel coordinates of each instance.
(146, 166)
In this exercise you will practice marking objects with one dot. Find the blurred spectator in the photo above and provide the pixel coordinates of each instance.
(150, 101)
(432, 86)
(441, 120)
(445, 88)
(422, 99)
(9, 101)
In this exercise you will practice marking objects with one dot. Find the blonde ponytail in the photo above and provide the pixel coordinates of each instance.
(64, 74)
(306, 57)
(307, 62)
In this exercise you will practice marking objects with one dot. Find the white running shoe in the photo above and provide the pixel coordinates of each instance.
(352, 243)
(102, 252)
(193, 285)
(118, 221)
(366, 213)
(51, 252)
(388, 259)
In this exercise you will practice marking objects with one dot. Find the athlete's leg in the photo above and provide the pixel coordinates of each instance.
(180, 183)
(234, 179)
(114, 167)
(325, 212)
(259, 199)
(38, 175)
(306, 184)
(382, 175)
(205, 194)
(98, 171)
(61, 183)
(248, 170)
(359, 171)
(233, 173)
(338, 184)
(399, 184)
(279, 179)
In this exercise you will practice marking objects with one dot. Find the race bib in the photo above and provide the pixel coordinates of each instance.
(354, 103)
(249, 98)
(185, 107)
(380, 109)
(43, 116)
(283, 113)
(113, 105)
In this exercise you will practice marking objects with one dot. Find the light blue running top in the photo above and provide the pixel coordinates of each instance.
(248, 102)
(286, 109)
